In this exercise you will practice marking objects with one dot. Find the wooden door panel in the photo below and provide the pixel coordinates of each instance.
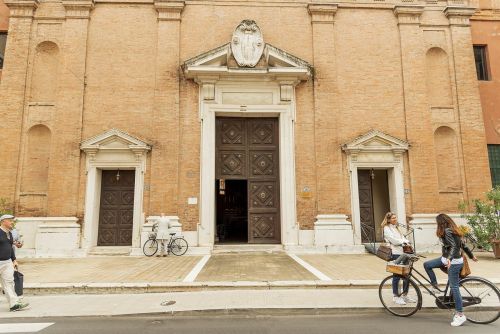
(232, 164)
(116, 209)
(263, 227)
(263, 180)
(262, 132)
(232, 131)
(247, 149)
(263, 163)
(365, 200)
(263, 195)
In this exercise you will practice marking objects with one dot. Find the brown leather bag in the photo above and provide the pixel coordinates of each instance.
(408, 249)
(384, 252)
(465, 271)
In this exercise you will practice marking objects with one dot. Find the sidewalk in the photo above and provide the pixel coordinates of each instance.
(249, 302)
(104, 275)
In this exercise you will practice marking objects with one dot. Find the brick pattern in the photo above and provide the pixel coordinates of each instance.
(120, 69)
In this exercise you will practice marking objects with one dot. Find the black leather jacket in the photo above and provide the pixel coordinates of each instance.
(452, 245)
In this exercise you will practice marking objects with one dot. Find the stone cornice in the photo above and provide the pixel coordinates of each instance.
(322, 13)
(78, 9)
(486, 15)
(169, 10)
(408, 14)
(22, 8)
(459, 16)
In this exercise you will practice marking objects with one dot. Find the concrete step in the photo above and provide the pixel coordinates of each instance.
(110, 251)
(247, 248)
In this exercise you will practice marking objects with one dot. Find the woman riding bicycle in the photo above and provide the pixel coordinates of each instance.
(451, 258)
(394, 236)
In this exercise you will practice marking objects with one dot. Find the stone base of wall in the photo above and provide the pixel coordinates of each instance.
(332, 234)
(49, 237)
(333, 230)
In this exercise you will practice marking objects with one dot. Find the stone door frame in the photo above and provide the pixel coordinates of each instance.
(112, 150)
(285, 112)
(377, 150)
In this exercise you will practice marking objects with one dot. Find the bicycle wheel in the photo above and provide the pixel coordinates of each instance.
(481, 300)
(388, 300)
(179, 246)
(150, 247)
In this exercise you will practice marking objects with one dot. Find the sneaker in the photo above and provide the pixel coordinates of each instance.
(409, 299)
(398, 300)
(19, 306)
(458, 320)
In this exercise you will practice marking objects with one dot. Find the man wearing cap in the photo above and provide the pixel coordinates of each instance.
(8, 263)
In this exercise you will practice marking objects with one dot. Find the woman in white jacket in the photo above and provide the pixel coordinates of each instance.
(396, 239)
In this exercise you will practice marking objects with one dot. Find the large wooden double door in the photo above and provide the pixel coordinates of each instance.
(248, 149)
(116, 210)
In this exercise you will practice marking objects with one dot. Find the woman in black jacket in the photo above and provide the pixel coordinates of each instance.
(451, 258)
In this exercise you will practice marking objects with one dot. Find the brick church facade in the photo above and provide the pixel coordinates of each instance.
(293, 123)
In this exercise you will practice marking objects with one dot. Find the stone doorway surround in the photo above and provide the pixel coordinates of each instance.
(266, 90)
(113, 149)
(376, 150)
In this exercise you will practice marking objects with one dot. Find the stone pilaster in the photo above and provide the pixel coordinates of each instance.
(418, 115)
(330, 182)
(472, 131)
(12, 91)
(165, 152)
(65, 151)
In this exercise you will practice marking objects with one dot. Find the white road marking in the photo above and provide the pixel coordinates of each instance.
(24, 327)
(196, 270)
(311, 269)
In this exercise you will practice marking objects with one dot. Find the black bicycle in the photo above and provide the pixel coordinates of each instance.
(480, 297)
(176, 245)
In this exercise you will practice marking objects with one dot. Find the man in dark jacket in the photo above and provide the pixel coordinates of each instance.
(8, 263)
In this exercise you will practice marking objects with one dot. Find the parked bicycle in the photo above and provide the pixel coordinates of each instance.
(481, 298)
(176, 245)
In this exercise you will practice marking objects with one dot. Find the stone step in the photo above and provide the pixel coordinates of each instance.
(109, 251)
(247, 248)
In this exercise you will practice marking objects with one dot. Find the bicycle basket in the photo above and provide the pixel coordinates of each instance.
(398, 269)
(152, 235)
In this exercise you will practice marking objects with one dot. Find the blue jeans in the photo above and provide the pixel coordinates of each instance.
(431, 264)
(395, 282)
(453, 280)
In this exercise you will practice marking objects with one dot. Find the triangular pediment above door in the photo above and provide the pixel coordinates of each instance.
(247, 55)
(375, 141)
(274, 61)
(114, 139)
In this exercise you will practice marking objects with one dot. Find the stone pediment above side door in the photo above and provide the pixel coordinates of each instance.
(114, 141)
(374, 142)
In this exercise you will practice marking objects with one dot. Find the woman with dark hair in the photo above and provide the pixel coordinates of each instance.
(451, 258)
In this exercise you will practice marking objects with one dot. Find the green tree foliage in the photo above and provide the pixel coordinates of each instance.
(483, 216)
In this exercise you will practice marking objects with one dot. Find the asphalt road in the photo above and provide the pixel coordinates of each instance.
(372, 322)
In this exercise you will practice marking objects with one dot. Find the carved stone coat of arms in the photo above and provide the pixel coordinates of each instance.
(247, 44)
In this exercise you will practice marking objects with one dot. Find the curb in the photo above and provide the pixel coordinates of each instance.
(155, 287)
(158, 287)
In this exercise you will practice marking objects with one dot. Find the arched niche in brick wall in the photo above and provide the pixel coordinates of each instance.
(447, 158)
(45, 72)
(438, 78)
(35, 171)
